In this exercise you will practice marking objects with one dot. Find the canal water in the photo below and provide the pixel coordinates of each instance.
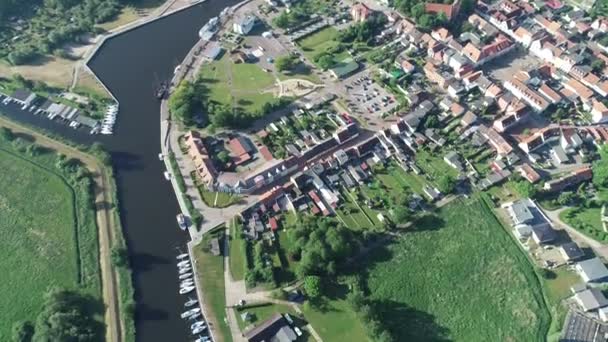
(131, 65)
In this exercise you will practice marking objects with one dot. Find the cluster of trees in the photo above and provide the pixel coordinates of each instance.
(262, 271)
(320, 245)
(327, 59)
(599, 9)
(66, 316)
(286, 63)
(301, 12)
(296, 16)
(363, 32)
(55, 23)
(525, 188)
(416, 10)
(188, 100)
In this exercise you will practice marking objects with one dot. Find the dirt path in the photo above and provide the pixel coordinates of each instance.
(105, 224)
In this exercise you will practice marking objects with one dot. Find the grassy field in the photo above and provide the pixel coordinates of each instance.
(218, 199)
(433, 164)
(586, 220)
(336, 321)
(239, 84)
(237, 254)
(319, 42)
(211, 277)
(458, 277)
(47, 242)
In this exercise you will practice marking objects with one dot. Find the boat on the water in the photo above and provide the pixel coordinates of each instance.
(185, 290)
(161, 90)
(182, 256)
(191, 302)
(183, 263)
(181, 221)
(185, 270)
(190, 312)
(185, 276)
(167, 175)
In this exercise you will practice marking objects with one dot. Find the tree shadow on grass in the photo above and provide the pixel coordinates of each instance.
(428, 222)
(408, 323)
(244, 102)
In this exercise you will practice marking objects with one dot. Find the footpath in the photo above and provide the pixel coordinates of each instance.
(105, 225)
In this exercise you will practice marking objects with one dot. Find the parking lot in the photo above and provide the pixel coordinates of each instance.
(265, 48)
(366, 97)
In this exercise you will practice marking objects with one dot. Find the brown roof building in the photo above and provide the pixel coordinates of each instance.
(202, 161)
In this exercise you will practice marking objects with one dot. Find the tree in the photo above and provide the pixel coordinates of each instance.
(525, 189)
(119, 256)
(23, 331)
(598, 65)
(66, 316)
(224, 157)
(401, 214)
(6, 134)
(446, 184)
(312, 286)
(287, 62)
(566, 198)
(325, 61)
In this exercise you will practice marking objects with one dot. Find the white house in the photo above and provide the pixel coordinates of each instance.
(244, 24)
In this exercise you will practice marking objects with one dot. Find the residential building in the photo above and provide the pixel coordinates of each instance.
(525, 212)
(571, 252)
(276, 329)
(599, 112)
(574, 178)
(202, 161)
(360, 12)
(591, 299)
(592, 270)
(244, 24)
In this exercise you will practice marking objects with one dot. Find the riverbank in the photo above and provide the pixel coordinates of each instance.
(115, 288)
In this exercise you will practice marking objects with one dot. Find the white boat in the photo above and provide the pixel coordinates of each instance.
(203, 339)
(182, 256)
(199, 330)
(187, 283)
(190, 312)
(197, 324)
(184, 270)
(185, 290)
(191, 302)
(185, 276)
(181, 221)
(160, 156)
(183, 263)
(195, 316)
(177, 69)
(167, 175)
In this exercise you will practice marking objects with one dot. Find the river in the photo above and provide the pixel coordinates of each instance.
(131, 65)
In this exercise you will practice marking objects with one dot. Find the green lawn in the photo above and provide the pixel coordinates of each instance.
(210, 270)
(321, 41)
(353, 217)
(396, 178)
(458, 277)
(586, 220)
(244, 85)
(433, 164)
(336, 321)
(218, 199)
(49, 236)
(238, 258)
